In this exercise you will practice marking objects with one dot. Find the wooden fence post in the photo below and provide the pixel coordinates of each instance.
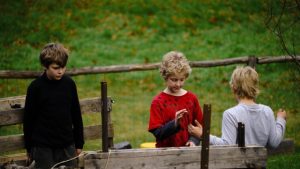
(241, 134)
(206, 132)
(252, 61)
(104, 116)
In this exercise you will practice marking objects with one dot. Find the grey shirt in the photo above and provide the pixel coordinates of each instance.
(260, 126)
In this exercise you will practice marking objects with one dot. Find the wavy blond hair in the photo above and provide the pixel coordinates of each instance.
(174, 62)
(244, 82)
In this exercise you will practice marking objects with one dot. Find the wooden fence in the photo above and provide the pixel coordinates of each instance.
(11, 112)
(181, 157)
(250, 60)
(12, 109)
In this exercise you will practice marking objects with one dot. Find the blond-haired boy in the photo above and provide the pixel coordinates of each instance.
(174, 109)
(261, 128)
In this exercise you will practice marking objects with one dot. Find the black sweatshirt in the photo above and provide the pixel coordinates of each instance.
(52, 116)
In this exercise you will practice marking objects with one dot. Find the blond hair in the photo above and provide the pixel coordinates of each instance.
(174, 63)
(54, 53)
(244, 82)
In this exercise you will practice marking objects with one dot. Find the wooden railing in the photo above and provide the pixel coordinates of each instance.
(179, 157)
(250, 60)
(11, 112)
(183, 157)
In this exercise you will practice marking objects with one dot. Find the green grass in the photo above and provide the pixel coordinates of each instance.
(284, 161)
(103, 33)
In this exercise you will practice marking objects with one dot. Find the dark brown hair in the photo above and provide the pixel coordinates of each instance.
(54, 53)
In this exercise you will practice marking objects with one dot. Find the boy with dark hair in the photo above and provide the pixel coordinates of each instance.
(53, 128)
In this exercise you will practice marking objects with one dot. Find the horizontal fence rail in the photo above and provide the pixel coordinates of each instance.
(12, 74)
(11, 116)
(179, 157)
(16, 142)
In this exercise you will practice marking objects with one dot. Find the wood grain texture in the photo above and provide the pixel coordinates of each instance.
(182, 157)
(16, 142)
(9, 116)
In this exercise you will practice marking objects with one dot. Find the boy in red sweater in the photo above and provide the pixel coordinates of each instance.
(174, 109)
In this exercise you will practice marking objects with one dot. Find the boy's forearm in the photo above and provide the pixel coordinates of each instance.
(166, 130)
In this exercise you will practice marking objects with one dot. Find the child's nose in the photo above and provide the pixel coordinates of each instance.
(60, 70)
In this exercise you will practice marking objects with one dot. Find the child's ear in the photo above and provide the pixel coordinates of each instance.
(233, 88)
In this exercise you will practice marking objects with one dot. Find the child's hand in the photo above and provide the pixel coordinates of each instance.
(178, 115)
(78, 151)
(281, 113)
(195, 131)
(190, 144)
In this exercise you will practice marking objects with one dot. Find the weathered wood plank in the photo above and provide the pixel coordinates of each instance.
(182, 157)
(87, 105)
(16, 142)
(7, 102)
(12, 142)
(93, 105)
(10, 116)
(17, 158)
(95, 132)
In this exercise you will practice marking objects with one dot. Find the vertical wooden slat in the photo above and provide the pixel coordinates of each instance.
(109, 109)
(205, 141)
(104, 118)
(241, 134)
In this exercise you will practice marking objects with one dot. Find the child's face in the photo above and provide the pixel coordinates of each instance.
(175, 82)
(55, 72)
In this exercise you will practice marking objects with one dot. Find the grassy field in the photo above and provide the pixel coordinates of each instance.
(102, 33)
